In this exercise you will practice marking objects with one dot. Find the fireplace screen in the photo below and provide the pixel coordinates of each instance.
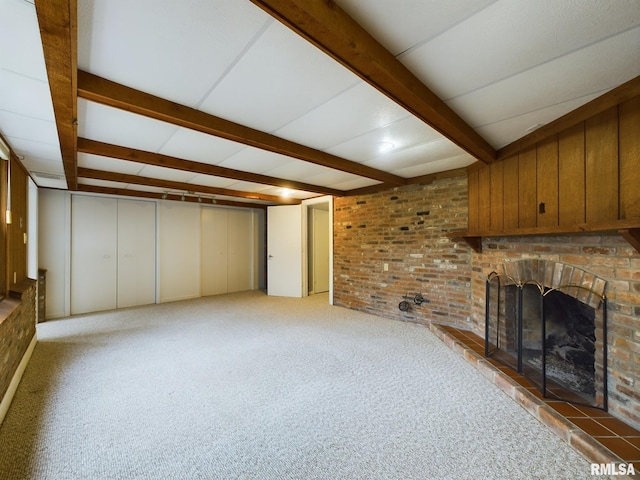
(555, 337)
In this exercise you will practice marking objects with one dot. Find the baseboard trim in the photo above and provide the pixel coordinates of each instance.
(15, 381)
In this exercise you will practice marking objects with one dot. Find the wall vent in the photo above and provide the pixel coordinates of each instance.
(48, 176)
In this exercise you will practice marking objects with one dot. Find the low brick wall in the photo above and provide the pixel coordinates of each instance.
(404, 228)
(17, 328)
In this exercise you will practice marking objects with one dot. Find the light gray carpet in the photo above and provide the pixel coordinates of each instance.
(246, 386)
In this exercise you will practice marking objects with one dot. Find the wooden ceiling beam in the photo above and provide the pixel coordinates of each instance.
(122, 192)
(173, 185)
(328, 27)
(148, 158)
(58, 30)
(106, 92)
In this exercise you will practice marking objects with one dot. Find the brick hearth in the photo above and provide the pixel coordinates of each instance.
(599, 436)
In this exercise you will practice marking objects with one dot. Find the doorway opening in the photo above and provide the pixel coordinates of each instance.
(318, 248)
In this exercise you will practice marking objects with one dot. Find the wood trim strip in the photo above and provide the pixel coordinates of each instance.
(173, 185)
(148, 158)
(106, 92)
(121, 192)
(58, 30)
(614, 226)
(328, 27)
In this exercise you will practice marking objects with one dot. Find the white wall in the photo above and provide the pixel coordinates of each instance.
(54, 241)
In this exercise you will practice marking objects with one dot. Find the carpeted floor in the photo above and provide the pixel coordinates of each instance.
(245, 386)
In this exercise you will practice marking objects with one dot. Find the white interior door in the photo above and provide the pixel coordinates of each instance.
(284, 251)
(136, 253)
(94, 229)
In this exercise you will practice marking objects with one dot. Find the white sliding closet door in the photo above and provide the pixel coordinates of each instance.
(136, 253)
(113, 253)
(227, 250)
(94, 229)
(214, 251)
(240, 259)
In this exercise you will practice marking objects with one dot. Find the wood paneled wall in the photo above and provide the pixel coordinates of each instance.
(16, 246)
(586, 174)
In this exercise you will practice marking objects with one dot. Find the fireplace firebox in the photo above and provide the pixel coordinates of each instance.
(548, 321)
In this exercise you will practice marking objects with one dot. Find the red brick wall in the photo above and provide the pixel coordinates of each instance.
(17, 328)
(404, 228)
(606, 256)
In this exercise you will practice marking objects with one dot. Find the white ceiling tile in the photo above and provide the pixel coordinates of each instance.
(359, 182)
(28, 128)
(199, 147)
(281, 77)
(24, 95)
(351, 114)
(298, 170)
(443, 165)
(210, 181)
(163, 173)
(248, 187)
(508, 38)
(278, 192)
(97, 162)
(504, 132)
(416, 18)
(31, 149)
(331, 178)
(175, 50)
(21, 50)
(254, 160)
(118, 127)
(43, 166)
(425, 153)
(599, 67)
(400, 134)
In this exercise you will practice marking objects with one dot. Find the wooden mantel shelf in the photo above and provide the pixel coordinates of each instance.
(628, 229)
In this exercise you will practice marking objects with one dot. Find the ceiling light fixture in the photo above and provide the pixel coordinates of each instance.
(164, 196)
(384, 147)
(285, 192)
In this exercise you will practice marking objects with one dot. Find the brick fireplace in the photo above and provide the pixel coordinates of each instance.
(607, 257)
(547, 321)
(406, 228)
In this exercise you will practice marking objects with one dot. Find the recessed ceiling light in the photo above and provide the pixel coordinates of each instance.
(384, 147)
(285, 192)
